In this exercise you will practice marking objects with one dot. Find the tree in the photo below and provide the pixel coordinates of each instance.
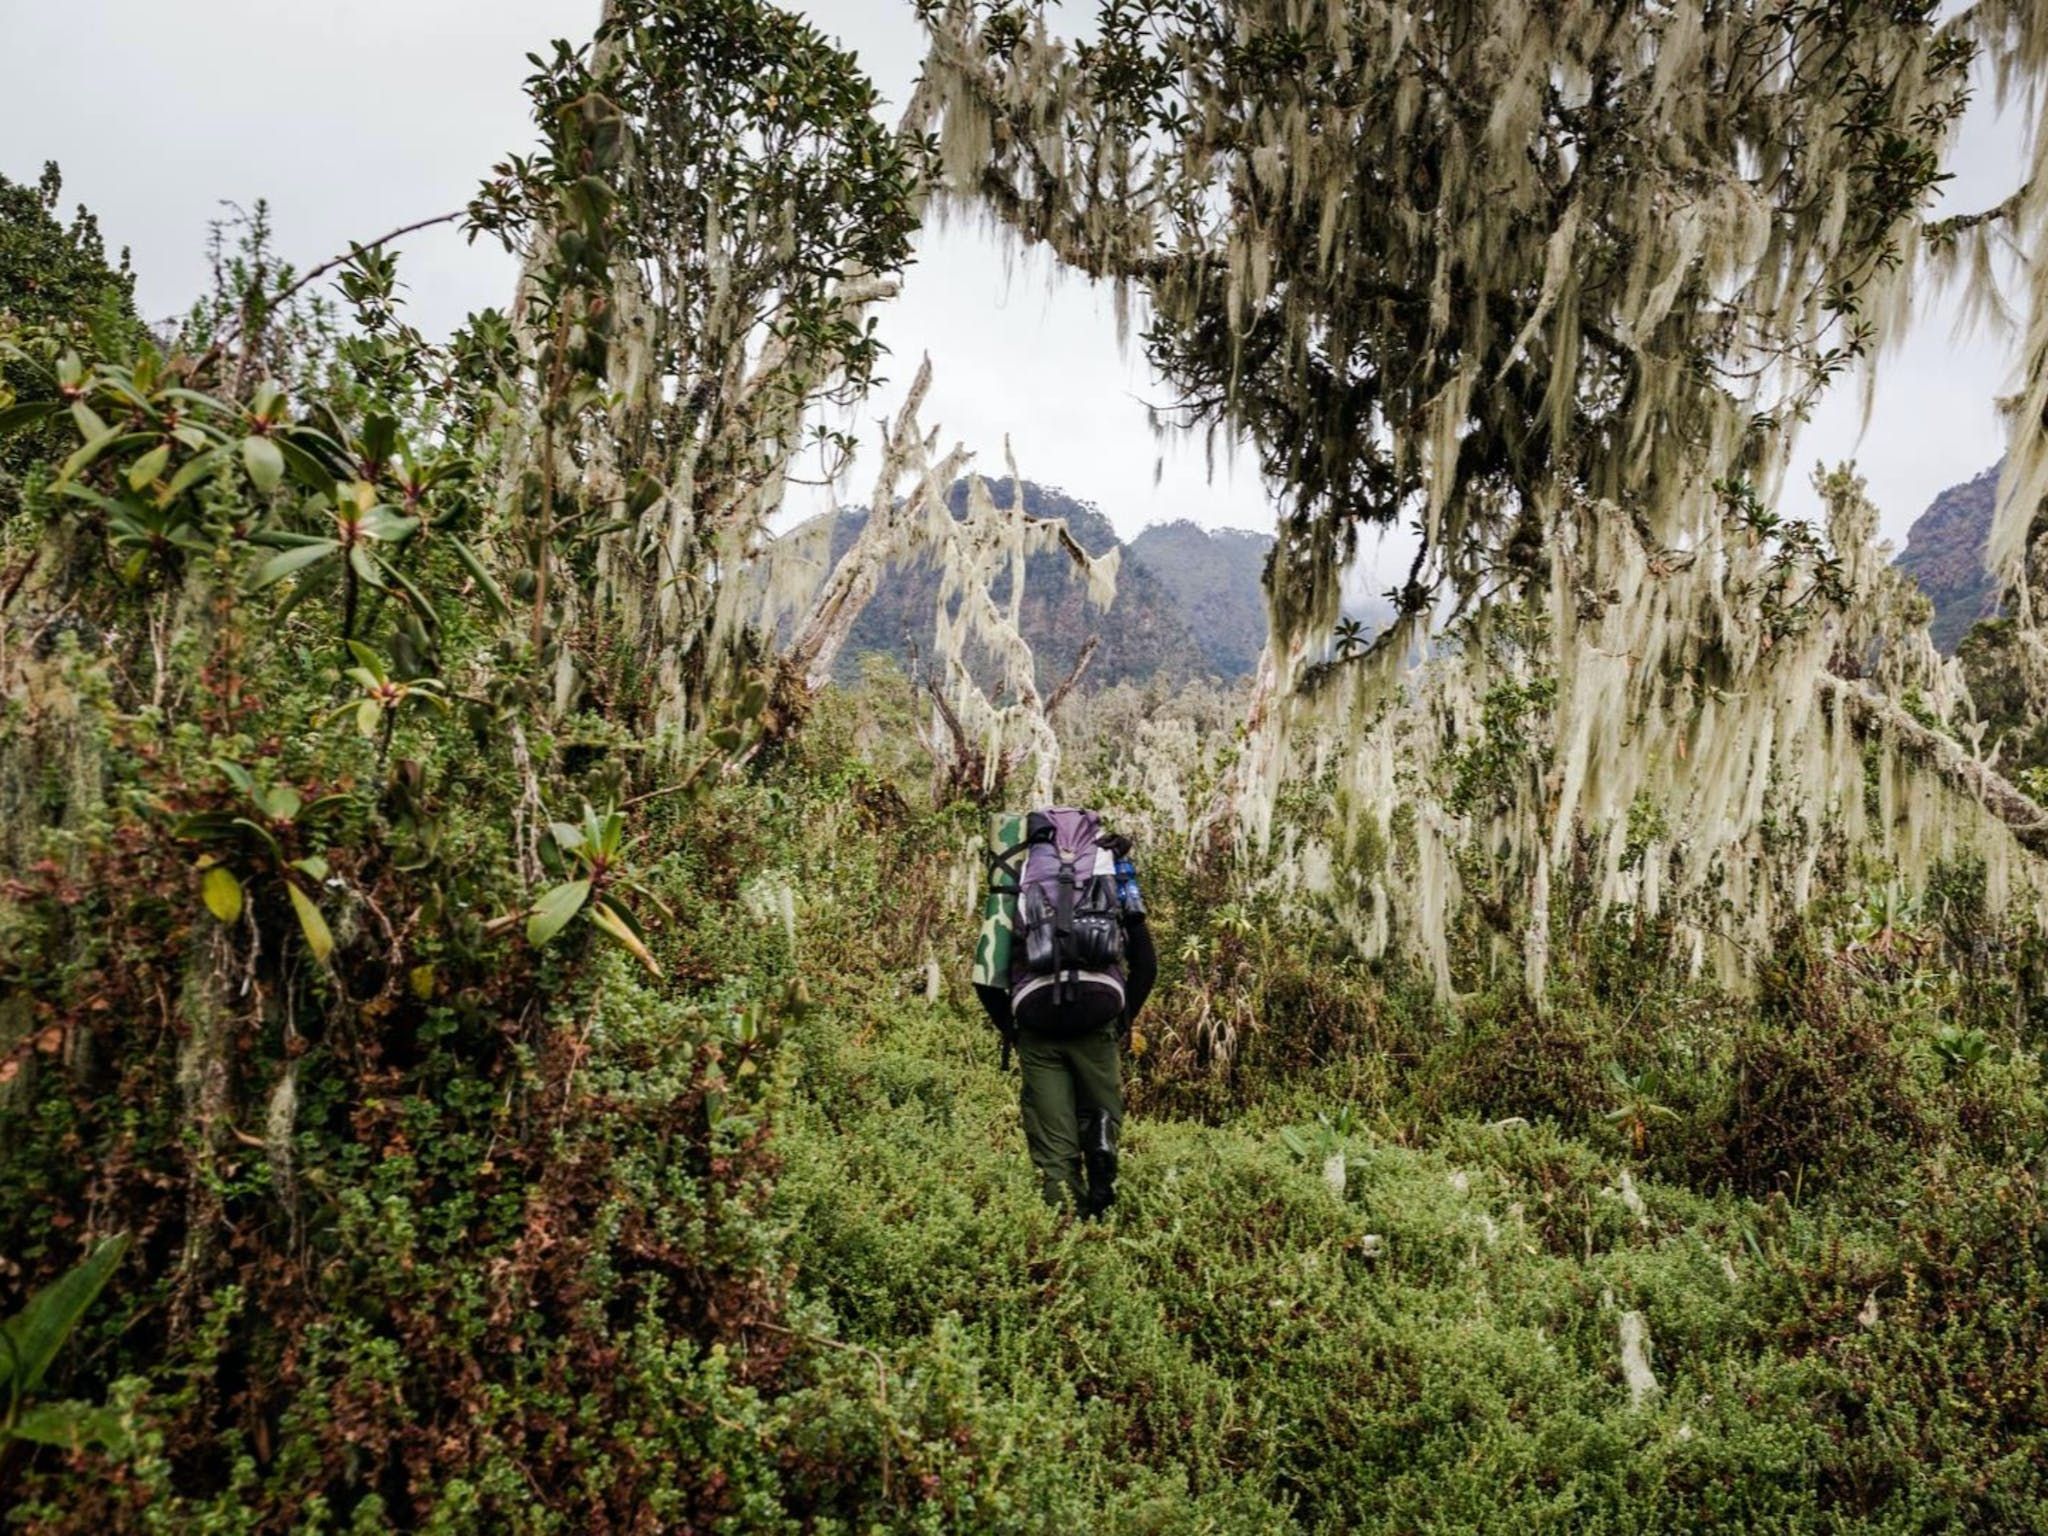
(715, 207)
(1552, 285)
(53, 274)
(975, 742)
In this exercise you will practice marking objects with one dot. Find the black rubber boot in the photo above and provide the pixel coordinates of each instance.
(1098, 1158)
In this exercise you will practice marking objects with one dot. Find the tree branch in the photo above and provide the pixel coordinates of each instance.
(234, 331)
(1871, 712)
(1059, 694)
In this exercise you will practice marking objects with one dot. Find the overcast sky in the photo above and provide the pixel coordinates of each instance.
(355, 116)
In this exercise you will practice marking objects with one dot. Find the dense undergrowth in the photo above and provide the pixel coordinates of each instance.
(756, 1247)
(1377, 1273)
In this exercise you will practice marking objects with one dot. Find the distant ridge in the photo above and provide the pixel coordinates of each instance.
(1945, 551)
(1189, 601)
(1218, 578)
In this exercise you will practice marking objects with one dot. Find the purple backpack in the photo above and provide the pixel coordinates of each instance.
(1066, 960)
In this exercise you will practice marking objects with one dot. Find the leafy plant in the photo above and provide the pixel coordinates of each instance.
(1961, 1049)
(376, 709)
(358, 547)
(1639, 1106)
(29, 1342)
(247, 847)
(595, 845)
(148, 446)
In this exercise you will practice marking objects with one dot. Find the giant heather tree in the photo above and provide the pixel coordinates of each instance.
(1550, 284)
(713, 209)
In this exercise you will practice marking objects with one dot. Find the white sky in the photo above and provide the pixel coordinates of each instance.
(355, 116)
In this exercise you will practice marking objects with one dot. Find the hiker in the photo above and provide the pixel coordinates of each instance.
(1065, 963)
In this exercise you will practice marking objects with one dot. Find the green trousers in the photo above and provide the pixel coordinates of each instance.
(1073, 1102)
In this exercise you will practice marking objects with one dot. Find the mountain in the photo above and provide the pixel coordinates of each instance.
(1217, 578)
(1945, 554)
(1188, 603)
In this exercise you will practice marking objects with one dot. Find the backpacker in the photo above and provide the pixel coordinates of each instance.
(1065, 970)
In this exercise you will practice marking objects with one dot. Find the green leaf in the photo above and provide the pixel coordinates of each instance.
(306, 465)
(205, 826)
(319, 937)
(614, 922)
(372, 663)
(38, 1330)
(380, 436)
(414, 595)
(369, 715)
(92, 449)
(269, 842)
(552, 912)
(27, 414)
(284, 538)
(222, 893)
(386, 526)
(90, 426)
(280, 802)
(149, 466)
(277, 567)
(312, 583)
(71, 1426)
(236, 775)
(265, 463)
(312, 865)
(490, 589)
(191, 472)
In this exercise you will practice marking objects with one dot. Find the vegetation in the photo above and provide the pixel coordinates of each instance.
(482, 1043)
(52, 275)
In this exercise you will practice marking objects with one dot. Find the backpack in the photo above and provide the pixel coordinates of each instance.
(1066, 973)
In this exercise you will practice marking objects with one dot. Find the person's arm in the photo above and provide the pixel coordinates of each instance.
(1141, 964)
(1141, 960)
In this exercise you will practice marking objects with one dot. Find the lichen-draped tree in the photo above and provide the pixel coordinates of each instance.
(715, 208)
(976, 742)
(1552, 283)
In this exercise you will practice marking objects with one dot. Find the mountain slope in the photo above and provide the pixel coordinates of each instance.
(1945, 554)
(1187, 605)
(1218, 579)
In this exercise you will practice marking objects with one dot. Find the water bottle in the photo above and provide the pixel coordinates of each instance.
(1127, 887)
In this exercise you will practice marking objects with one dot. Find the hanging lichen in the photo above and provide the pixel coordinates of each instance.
(1552, 286)
(714, 212)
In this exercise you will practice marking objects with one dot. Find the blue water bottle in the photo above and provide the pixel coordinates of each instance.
(1127, 887)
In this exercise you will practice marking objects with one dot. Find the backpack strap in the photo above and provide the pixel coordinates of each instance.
(1011, 860)
(1063, 928)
